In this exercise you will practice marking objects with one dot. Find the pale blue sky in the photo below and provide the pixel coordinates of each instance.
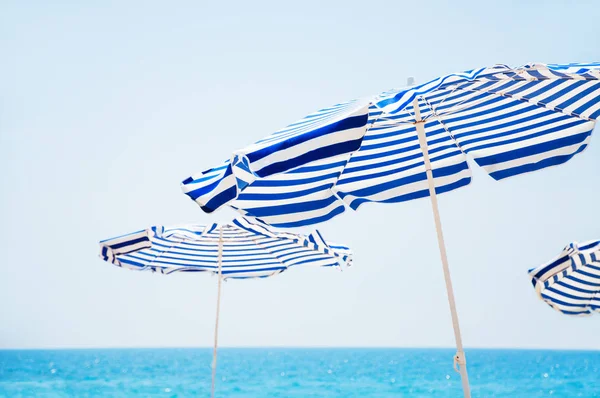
(105, 107)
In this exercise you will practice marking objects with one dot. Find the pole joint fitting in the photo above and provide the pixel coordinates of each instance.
(459, 360)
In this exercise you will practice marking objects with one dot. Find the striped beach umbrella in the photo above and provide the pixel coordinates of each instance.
(570, 283)
(241, 249)
(510, 121)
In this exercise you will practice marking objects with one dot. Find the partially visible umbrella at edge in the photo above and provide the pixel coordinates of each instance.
(570, 283)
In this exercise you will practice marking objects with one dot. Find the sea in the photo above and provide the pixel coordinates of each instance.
(297, 372)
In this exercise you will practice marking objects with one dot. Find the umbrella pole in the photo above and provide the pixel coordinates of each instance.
(460, 363)
(219, 272)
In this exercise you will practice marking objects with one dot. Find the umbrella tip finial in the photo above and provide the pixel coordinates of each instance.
(410, 81)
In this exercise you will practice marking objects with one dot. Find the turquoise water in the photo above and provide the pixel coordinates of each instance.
(284, 372)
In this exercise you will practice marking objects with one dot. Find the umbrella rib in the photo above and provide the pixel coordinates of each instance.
(524, 100)
(176, 245)
(433, 110)
(439, 119)
(456, 108)
(161, 253)
(257, 243)
(442, 101)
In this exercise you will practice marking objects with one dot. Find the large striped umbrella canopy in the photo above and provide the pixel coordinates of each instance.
(242, 249)
(570, 283)
(510, 121)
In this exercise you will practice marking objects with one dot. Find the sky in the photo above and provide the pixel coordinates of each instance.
(105, 107)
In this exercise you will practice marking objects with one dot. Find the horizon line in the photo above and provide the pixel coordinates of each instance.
(293, 348)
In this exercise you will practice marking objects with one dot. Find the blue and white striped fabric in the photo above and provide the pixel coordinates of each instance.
(249, 250)
(331, 132)
(509, 120)
(571, 282)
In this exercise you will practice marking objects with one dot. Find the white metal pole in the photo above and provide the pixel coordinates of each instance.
(459, 358)
(219, 273)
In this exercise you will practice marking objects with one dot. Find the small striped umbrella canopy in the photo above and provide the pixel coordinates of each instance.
(570, 283)
(242, 249)
(416, 141)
